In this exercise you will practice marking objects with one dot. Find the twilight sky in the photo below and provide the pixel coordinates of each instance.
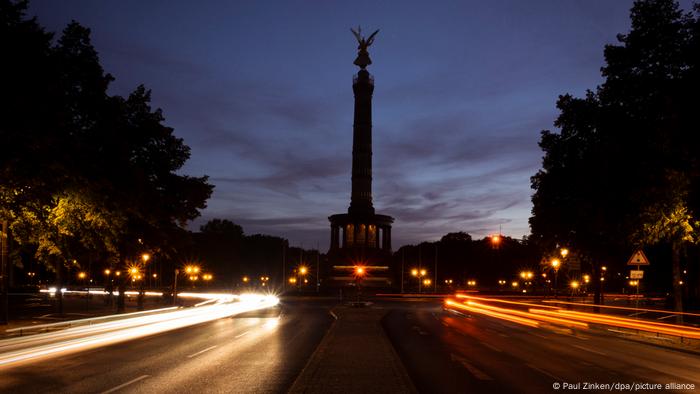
(262, 93)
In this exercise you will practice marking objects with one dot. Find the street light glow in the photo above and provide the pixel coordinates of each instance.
(556, 263)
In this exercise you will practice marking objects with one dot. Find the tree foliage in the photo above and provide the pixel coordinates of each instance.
(623, 170)
(81, 169)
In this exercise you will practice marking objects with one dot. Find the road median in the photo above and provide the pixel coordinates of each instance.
(355, 356)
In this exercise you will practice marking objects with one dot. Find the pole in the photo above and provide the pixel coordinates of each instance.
(403, 253)
(177, 273)
(636, 298)
(4, 276)
(318, 257)
(420, 263)
(435, 276)
(284, 279)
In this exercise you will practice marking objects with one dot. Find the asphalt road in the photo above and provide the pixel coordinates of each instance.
(443, 352)
(261, 352)
(450, 353)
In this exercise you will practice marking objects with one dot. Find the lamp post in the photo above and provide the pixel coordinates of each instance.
(177, 273)
(419, 273)
(555, 265)
(359, 273)
(303, 270)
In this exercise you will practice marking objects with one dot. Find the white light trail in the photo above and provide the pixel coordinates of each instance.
(22, 349)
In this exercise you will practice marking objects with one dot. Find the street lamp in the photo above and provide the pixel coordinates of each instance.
(419, 273)
(555, 265)
(574, 285)
(359, 273)
(564, 252)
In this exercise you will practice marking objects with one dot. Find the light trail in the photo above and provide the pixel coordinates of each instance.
(555, 320)
(520, 303)
(661, 328)
(620, 308)
(498, 315)
(39, 346)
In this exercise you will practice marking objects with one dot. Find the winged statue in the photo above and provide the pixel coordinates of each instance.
(363, 59)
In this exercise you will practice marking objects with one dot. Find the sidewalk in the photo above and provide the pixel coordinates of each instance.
(355, 356)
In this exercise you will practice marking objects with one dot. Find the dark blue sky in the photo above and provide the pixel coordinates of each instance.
(261, 91)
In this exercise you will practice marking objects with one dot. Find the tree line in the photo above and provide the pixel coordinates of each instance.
(85, 175)
(623, 171)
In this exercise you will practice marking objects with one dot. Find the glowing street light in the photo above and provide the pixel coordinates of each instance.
(145, 257)
(427, 282)
(419, 273)
(574, 284)
(303, 270)
(82, 275)
(292, 280)
(192, 269)
(245, 279)
(360, 271)
(108, 271)
(564, 252)
(556, 264)
(526, 275)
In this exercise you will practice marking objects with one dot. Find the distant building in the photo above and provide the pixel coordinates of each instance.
(361, 237)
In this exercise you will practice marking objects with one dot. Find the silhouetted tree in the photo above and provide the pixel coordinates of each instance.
(621, 171)
(86, 170)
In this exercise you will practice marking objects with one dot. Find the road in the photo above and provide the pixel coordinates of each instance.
(449, 353)
(443, 352)
(257, 352)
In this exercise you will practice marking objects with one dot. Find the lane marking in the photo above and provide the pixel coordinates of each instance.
(240, 335)
(334, 315)
(666, 317)
(201, 351)
(495, 349)
(142, 377)
(539, 335)
(419, 330)
(476, 372)
(589, 350)
(542, 371)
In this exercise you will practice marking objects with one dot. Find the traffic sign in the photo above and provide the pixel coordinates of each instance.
(636, 274)
(638, 258)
